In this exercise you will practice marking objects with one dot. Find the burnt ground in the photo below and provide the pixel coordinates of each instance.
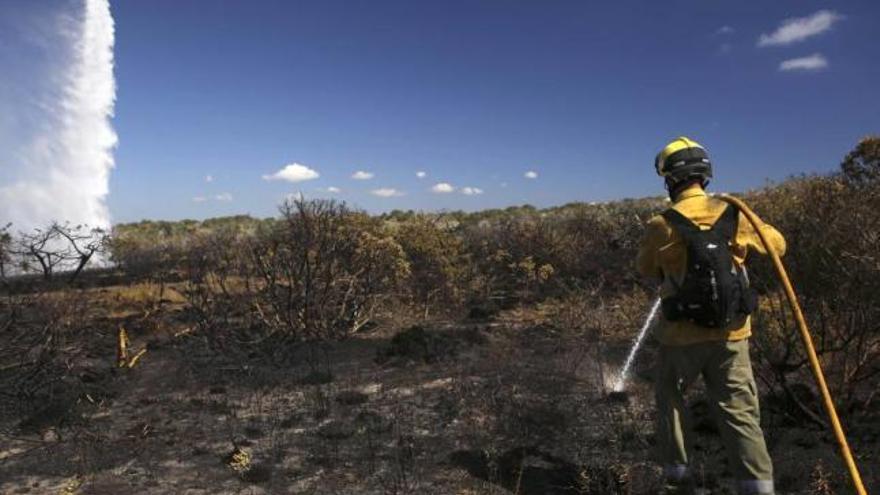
(517, 405)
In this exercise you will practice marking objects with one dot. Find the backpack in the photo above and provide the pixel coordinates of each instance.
(715, 291)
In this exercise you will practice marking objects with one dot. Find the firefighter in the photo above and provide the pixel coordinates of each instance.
(697, 250)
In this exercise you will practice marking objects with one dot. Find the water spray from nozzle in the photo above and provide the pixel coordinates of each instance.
(620, 384)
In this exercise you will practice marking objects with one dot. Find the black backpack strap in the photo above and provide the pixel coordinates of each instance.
(681, 223)
(728, 223)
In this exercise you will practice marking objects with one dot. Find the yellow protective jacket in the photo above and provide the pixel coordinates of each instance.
(663, 256)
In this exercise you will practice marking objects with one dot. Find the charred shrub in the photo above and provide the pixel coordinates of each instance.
(483, 310)
(44, 342)
(219, 287)
(420, 345)
(321, 271)
(832, 226)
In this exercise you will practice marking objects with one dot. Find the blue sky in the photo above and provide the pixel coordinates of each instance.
(475, 94)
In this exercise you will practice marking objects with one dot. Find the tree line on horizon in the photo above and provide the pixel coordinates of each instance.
(322, 271)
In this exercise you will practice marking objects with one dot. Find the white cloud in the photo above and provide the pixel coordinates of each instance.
(361, 175)
(219, 197)
(725, 30)
(329, 190)
(209, 178)
(471, 191)
(443, 188)
(504, 185)
(800, 28)
(386, 192)
(293, 172)
(421, 175)
(531, 174)
(811, 63)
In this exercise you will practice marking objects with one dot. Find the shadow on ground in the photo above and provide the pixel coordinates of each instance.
(523, 470)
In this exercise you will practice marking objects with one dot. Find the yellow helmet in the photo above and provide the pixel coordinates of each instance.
(683, 159)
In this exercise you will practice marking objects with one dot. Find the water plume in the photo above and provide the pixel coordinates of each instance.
(621, 380)
(56, 137)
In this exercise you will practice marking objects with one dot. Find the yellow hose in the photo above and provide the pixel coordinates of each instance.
(808, 344)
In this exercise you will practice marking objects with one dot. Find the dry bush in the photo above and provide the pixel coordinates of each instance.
(437, 262)
(832, 225)
(514, 257)
(861, 166)
(218, 286)
(529, 256)
(5, 253)
(322, 270)
(43, 339)
(156, 260)
(601, 241)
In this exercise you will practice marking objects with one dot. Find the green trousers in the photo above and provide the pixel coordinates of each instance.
(730, 385)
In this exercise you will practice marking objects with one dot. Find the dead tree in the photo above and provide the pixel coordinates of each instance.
(42, 247)
(82, 245)
(59, 246)
(5, 246)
